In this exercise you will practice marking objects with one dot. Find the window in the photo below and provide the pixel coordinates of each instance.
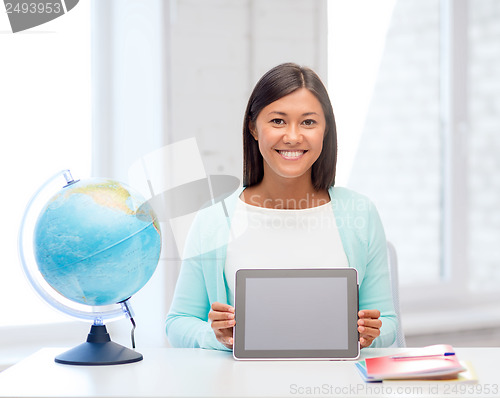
(390, 126)
(416, 92)
(45, 127)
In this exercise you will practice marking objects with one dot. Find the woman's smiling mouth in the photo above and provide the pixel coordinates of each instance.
(291, 155)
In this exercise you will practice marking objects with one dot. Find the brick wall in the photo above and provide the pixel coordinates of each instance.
(399, 160)
(484, 144)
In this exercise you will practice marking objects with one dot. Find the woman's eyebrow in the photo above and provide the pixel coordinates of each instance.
(277, 113)
(285, 114)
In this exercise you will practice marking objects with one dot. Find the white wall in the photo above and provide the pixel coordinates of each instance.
(219, 51)
(167, 71)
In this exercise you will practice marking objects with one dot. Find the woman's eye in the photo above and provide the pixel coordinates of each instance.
(309, 122)
(278, 121)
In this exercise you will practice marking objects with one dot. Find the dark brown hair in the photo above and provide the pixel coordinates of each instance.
(282, 80)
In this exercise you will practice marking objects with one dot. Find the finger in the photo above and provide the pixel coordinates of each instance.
(365, 342)
(220, 325)
(373, 314)
(220, 307)
(367, 337)
(224, 334)
(218, 316)
(371, 323)
(368, 332)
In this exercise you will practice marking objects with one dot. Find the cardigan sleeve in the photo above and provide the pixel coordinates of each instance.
(375, 288)
(187, 322)
(363, 239)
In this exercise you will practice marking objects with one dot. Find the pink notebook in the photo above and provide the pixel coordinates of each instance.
(436, 361)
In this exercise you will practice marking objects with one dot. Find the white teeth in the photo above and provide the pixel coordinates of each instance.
(291, 154)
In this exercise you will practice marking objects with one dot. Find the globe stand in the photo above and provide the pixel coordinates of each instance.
(98, 350)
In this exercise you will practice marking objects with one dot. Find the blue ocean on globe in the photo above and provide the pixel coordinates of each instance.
(97, 242)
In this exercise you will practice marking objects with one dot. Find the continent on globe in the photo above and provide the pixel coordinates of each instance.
(97, 242)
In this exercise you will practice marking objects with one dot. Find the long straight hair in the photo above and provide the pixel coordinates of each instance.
(280, 81)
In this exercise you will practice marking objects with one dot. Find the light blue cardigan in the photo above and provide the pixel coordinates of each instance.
(201, 280)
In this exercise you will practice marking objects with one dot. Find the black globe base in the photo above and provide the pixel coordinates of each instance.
(98, 350)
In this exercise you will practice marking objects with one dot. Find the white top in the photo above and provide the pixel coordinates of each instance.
(279, 238)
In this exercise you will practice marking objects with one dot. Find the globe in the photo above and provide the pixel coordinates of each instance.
(97, 242)
(86, 247)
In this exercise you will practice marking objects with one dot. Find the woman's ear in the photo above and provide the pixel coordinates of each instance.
(253, 130)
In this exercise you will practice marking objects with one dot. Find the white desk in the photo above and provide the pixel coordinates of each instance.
(168, 372)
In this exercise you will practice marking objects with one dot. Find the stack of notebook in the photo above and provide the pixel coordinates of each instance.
(437, 362)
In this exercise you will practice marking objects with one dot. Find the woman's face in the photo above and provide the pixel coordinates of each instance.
(290, 134)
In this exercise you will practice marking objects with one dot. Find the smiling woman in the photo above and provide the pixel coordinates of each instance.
(273, 88)
(288, 215)
(290, 133)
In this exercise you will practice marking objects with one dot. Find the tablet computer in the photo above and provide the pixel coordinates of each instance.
(296, 314)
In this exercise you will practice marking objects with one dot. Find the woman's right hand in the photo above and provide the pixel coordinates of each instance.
(221, 318)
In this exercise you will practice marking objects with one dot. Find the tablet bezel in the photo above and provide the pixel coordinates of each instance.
(353, 350)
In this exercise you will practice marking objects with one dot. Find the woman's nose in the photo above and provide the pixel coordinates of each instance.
(292, 135)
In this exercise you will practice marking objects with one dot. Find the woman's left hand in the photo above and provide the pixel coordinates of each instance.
(368, 326)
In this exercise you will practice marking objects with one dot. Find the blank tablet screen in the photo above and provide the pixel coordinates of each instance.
(299, 313)
(298, 301)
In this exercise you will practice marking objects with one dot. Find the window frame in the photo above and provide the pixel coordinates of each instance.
(450, 296)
